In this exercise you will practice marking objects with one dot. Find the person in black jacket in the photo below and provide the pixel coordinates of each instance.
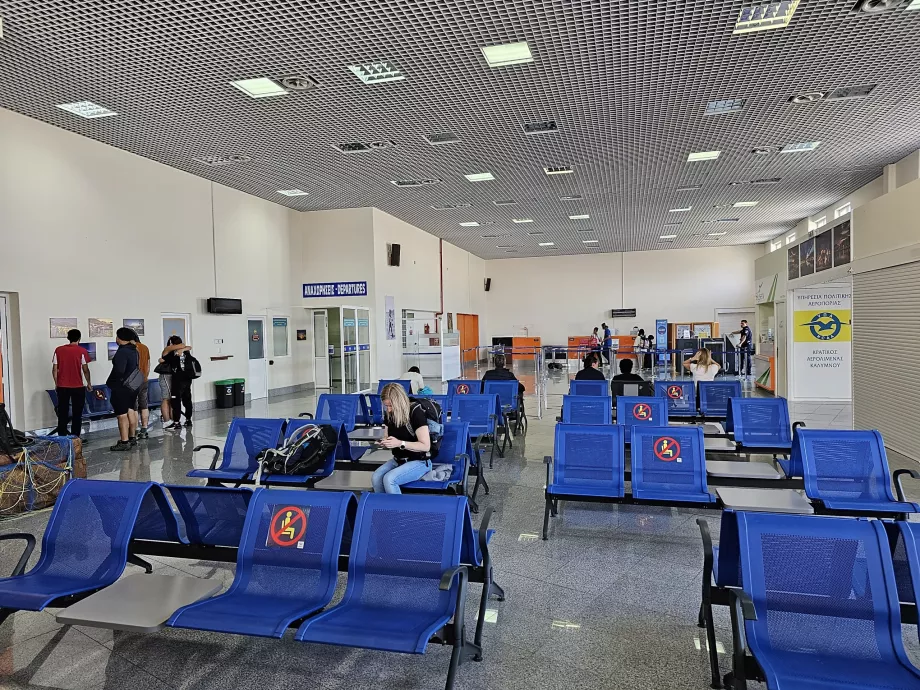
(180, 388)
(500, 373)
(124, 363)
(590, 372)
(626, 366)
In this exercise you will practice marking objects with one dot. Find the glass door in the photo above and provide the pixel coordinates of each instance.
(350, 348)
(257, 384)
(364, 350)
(334, 348)
(320, 349)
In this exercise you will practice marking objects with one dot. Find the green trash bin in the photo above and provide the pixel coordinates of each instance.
(224, 393)
(239, 392)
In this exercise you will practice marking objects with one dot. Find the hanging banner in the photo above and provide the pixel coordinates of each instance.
(661, 338)
(822, 337)
(390, 316)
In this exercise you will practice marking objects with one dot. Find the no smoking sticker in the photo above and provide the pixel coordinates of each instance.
(287, 527)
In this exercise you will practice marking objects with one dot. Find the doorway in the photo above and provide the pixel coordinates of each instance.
(257, 383)
(321, 347)
(6, 394)
(468, 325)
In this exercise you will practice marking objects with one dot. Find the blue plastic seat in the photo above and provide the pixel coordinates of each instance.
(848, 470)
(85, 544)
(402, 382)
(668, 464)
(402, 547)
(283, 573)
(154, 394)
(156, 520)
(586, 409)
(335, 406)
(370, 409)
(481, 412)
(246, 438)
(633, 410)
(453, 450)
(760, 422)
(588, 461)
(213, 515)
(463, 387)
(714, 397)
(600, 388)
(507, 392)
(826, 603)
(681, 397)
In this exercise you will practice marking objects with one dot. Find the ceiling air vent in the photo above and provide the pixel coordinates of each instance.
(450, 207)
(360, 146)
(442, 138)
(217, 161)
(876, 6)
(574, 197)
(547, 127)
(766, 181)
(808, 97)
(845, 93)
(764, 150)
(295, 83)
(416, 183)
(558, 170)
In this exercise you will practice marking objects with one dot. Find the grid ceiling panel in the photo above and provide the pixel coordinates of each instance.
(626, 82)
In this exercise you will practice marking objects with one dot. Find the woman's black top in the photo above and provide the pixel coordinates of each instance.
(417, 420)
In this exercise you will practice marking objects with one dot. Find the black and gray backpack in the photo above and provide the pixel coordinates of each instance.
(432, 412)
(304, 453)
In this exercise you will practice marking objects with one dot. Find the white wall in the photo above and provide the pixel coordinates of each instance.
(559, 296)
(88, 230)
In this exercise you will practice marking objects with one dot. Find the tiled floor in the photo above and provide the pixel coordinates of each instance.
(609, 601)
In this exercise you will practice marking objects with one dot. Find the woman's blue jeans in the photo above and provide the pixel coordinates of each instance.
(390, 475)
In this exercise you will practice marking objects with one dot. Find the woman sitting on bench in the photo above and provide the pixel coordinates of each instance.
(408, 438)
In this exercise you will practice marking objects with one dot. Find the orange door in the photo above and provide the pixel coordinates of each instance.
(469, 335)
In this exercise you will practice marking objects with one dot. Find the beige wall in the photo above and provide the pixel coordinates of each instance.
(889, 224)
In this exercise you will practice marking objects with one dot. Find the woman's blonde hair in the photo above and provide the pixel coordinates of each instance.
(399, 400)
(703, 358)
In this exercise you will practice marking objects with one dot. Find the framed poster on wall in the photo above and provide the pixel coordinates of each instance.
(842, 244)
(807, 257)
(823, 252)
(793, 263)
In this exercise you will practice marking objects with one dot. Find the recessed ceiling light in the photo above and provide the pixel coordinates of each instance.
(764, 150)
(504, 202)
(722, 206)
(504, 246)
(728, 220)
(261, 87)
(583, 216)
(808, 97)
(507, 54)
(352, 147)
(522, 220)
(469, 224)
(731, 105)
(671, 225)
(450, 207)
(559, 170)
(293, 192)
(680, 210)
(745, 204)
(766, 181)
(377, 72)
(716, 234)
(489, 237)
(442, 138)
(536, 233)
(87, 109)
(547, 244)
(547, 127)
(876, 6)
(847, 93)
(589, 241)
(217, 161)
(574, 197)
(294, 82)
(703, 156)
(801, 147)
(769, 15)
(689, 187)
(480, 177)
(913, 6)
(416, 183)
(584, 230)
(666, 237)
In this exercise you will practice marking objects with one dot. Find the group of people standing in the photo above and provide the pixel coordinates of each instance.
(643, 346)
(127, 383)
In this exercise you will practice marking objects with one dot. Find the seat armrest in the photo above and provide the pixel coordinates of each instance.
(796, 425)
(447, 578)
(708, 557)
(898, 474)
(209, 447)
(26, 552)
(308, 415)
(548, 459)
(484, 534)
(744, 599)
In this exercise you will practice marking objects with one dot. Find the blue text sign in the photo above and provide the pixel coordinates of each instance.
(335, 290)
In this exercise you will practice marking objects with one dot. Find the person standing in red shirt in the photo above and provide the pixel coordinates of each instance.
(69, 367)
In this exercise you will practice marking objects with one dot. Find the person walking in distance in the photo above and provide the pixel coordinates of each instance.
(141, 407)
(608, 340)
(744, 347)
(69, 368)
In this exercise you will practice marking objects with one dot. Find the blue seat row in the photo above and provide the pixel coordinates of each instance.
(815, 600)
(95, 408)
(631, 410)
(409, 561)
(680, 394)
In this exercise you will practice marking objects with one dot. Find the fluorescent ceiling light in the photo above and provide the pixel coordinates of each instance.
(731, 105)
(745, 204)
(87, 109)
(377, 72)
(666, 237)
(767, 15)
(576, 197)
(293, 192)
(583, 216)
(680, 210)
(689, 187)
(589, 241)
(547, 244)
(261, 87)
(504, 246)
(559, 170)
(703, 156)
(507, 54)
(914, 6)
(716, 234)
(480, 177)
(671, 225)
(800, 147)
(522, 220)
(469, 224)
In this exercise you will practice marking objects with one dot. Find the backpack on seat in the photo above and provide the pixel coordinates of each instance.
(304, 453)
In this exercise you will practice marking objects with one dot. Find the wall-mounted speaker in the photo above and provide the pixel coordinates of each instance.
(393, 251)
(488, 284)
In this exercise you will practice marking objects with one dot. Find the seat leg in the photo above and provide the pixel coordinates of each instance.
(481, 620)
(554, 507)
(135, 560)
(454, 664)
(496, 590)
(546, 520)
(701, 617)
(711, 644)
